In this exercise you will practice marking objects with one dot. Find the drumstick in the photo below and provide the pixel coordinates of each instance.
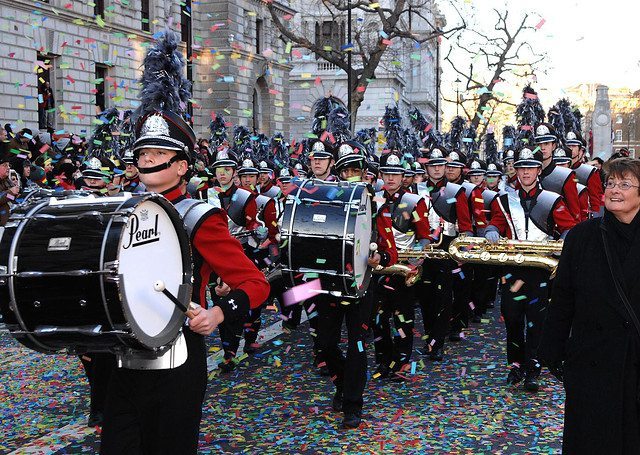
(160, 287)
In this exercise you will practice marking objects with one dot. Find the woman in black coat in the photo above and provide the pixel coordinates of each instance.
(589, 333)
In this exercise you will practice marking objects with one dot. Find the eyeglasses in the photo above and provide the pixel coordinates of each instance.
(624, 186)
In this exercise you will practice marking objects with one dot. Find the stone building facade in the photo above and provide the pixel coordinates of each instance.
(92, 55)
(406, 74)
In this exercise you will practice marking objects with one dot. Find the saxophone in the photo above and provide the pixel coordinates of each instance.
(525, 253)
(404, 267)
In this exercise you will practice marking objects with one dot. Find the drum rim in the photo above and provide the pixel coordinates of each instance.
(11, 281)
(136, 332)
(364, 286)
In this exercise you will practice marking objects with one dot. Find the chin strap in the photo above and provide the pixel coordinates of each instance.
(159, 167)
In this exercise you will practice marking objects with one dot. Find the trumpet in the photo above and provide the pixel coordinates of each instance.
(524, 253)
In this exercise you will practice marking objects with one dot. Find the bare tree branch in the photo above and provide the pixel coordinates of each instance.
(370, 45)
(503, 51)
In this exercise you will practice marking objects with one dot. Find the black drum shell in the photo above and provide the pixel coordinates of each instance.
(328, 242)
(68, 302)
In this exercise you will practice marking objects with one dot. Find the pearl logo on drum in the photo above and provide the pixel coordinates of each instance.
(59, 244)
(138, 235)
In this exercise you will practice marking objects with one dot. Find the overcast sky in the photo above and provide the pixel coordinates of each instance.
(587, 40)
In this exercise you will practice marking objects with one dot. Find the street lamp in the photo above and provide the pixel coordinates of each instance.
(457, 82)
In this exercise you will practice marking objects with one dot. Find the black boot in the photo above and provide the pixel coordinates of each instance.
(352, 420)
(515, 375)
(381, 372)
(336, 404)
(531, 378)
(436, 354)
(227, 366)
(398, 375)
(95, 419)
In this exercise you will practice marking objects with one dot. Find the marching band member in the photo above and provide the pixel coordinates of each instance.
(530, 213)
(493, 177)
(131, 181)
(510, 175)
(408, 177)
(410, 226)
(561, 159)
(553, 178)
(157, 408)
(463, 278)
(448, 206)
(484, 282)
(588, 175)
(349, 374)
(266, 253)
(98, 366)
(322, 161)
(241, 209)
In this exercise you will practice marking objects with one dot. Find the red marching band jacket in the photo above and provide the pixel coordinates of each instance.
(217, 254)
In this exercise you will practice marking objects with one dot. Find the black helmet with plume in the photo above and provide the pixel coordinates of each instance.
(218, 130)
(393, 133)
(164, 98)
(490, 147)
(529, 114)
(321, 110)
(339, 124)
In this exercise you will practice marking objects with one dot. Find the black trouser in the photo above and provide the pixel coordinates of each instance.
(253, 324)
(98, 367)
(435, 297)
(294, 315)
(485, 281)
(393, 299)
(348, 374)
(157, 411)
(524, 308)
(462, 286)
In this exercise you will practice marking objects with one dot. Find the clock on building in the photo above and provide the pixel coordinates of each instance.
(602, 119)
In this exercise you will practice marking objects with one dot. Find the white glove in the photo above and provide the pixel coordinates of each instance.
(492, 236)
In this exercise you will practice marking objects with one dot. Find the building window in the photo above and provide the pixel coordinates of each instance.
(259, 31)
(330, 35)
(618, 137)
(185, 20)
(98, 8)
(145, 10)
(619, 118)
(46, 91)
(102, 72)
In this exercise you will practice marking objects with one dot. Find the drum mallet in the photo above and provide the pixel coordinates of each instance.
(159, 286)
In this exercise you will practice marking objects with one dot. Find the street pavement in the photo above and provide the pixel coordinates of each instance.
(274, 402)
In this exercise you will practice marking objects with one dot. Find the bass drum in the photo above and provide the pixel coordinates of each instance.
(326, 233)
(78, 273)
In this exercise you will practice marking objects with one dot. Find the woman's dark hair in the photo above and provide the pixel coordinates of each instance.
(621, 167)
